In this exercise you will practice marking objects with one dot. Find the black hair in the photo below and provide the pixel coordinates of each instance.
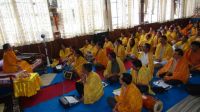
(119, 41)
(127, 78)
(112, 55)
(164, 37)
(180, 51)
(100, 44)
(6, 46)
(196, 43)
(137, 63)
(87, 67)
(132, 43)
(147, 45)
(77, 51)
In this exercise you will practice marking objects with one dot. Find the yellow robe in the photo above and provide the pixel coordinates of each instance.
(136, 41)
(132, 51)
(129, 100)
(174, 36)
(144, 40)
(150, 64)
(93, 88)
(184, 46)
(181, 71)
(124, 40)
(156, 41)
(86, 48)
(79, 61)
(167, 54)
(94, 50)
(107, 73)
(143, 77)
(10, 63)
(120, 51)
(194, 31)
(101, 57)
(108, 45)
(168, 35)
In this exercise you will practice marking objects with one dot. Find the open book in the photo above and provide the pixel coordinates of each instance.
(161, 83)
(71, 99)
(117, 91)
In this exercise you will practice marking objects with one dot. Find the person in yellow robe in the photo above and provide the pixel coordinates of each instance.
(11, 63)
(156, 40)
(133, 37)
(141, 76)
(130, 98)
(78, 62)
(174, 36)
(194, 30)
(147, 39)
(124, 39)
(193, 56)
(184, 44)
(94, 48)
(90, 86)
(64, 53)
(114, 68)
(87, 47)
(101, 58)
(185, 31)
(119, 49)
(164, 51)
(142, 36)
(176, 71)
(138, 33)
(131, 49)
(108, 44)
(146, 57)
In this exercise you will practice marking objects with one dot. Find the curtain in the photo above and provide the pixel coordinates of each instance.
(125, 13)
(80, 17)
(22, 21)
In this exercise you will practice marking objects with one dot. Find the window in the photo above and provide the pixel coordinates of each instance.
(22, 21)
(80, 17)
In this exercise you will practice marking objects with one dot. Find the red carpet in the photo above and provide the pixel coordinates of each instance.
(55, 90)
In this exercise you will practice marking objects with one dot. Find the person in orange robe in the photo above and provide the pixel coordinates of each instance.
(11, 63)
(130, 98)
(193, 56)
(101, 58)
(176, 71)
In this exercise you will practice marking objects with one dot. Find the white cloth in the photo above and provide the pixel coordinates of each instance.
(144, 59)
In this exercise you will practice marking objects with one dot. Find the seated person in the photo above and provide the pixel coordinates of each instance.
(141, 76)
(176, 71)
(63, 53)
(119, 49)
(87, 47)
(124, 39)
(101, 59)
(146, 57)
(77, 63)
(90, 86)
(193, 56)
(156, 40)
(12, 64)
(135, 39)
(183, 44)
(163, 52)
(147, 39)
(108, 44)
(130, 98)
(114, 69)
(131, 49)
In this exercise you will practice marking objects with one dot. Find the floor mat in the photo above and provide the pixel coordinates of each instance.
(189, 104)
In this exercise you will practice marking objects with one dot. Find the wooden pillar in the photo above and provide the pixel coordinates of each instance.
(142, 11)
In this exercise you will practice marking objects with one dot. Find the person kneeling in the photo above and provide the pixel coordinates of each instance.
(130, 98)
(114, 68)
(176, 71)
(90, 87)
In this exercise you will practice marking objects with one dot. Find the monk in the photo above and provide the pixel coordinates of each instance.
(193, 56)
(141, 76)
(64, 53)
(138, 33)
(146, 57)
(90, 86)
(124, 39)
(184, 44)
(163, 52)
(78, 62)
(130, 98)
(119, 49)
(185, 31)
(87, 47)
(11, 63)
(135, 39)
(147, 39)
(101, 58)
(108, 44)
(114, 69)
(194, 30)
(131, 49)
(156, 40)
(176, 71)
